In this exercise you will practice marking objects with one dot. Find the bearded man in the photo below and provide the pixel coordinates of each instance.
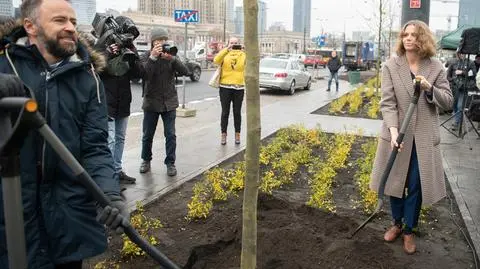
(43, 56)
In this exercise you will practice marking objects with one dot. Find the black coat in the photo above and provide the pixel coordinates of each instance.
(59, 213)
(334, 64)
(117, 88)
(119, 91)
(159, 92)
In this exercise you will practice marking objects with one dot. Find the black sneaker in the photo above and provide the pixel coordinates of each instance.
(328, 90)
(171, 170)
(124, 179)
(145, 167)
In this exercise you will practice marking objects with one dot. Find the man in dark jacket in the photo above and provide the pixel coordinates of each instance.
(160, 99)
(333, 65)
(116, 79)
(461, 75)
(44, 52)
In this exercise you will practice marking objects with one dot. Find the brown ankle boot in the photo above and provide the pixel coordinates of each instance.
(409, 244)
(223, 140)
(392, 233)
(237, 138)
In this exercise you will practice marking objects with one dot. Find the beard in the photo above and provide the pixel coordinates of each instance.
(55, 48)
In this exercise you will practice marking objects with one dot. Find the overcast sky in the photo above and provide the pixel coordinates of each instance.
(332, 15)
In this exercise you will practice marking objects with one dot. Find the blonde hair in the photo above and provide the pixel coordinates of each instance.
(425, 39)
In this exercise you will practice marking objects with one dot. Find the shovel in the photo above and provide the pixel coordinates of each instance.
(393, 155)
(11, 139)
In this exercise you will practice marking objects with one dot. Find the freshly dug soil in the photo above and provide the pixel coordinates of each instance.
(292, 235)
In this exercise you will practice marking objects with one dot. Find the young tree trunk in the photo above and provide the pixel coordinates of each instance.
(250, 196)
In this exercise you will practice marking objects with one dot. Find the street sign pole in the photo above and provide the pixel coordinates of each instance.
(415, 10)
(185, 16)
(185, 54)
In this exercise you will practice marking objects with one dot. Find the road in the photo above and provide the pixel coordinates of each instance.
(195, 91)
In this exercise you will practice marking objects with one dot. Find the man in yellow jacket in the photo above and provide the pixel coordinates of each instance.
(232, 86)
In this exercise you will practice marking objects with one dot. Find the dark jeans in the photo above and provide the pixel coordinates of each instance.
(150, 120)
(333, 75)
(458, 106)
(70, 265)
(228, 96)
(408, 207)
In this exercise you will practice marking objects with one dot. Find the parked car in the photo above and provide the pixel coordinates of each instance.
(284, 74)
(311, 60)
(193, 66)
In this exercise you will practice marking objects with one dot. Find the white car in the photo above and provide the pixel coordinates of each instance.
(284, 74)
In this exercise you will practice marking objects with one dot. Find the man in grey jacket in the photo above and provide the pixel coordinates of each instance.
(160, 99)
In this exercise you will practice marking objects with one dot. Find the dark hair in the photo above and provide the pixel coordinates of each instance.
(29, 9)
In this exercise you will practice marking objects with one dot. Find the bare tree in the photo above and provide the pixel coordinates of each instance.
(250, 195)
(382, 18)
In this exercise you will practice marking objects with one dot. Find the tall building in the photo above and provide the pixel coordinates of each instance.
(230, 15)
(6, 8)
(302, 16)
(262, 17)
(85, 10)
(164, 8)
(468, 12)
(239, 20)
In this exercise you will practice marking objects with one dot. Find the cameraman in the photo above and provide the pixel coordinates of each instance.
(461, 75)
(116, 79)
(160, 98)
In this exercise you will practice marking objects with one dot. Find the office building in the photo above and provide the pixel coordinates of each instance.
(262, 19)
(468, 12)
(6, 8)
(302, 16)
(85, 10)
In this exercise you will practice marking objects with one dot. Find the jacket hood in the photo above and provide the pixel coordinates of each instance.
(12, 30)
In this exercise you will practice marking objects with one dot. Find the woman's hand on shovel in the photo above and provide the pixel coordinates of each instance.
(394, 136)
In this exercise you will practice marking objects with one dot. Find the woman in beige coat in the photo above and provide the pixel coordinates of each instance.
(417, 176)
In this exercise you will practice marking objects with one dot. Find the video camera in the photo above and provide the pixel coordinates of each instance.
(108, 32)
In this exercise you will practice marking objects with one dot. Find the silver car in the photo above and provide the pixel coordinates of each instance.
(285, 74)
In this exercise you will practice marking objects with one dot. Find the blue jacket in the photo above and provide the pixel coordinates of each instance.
(59, 214)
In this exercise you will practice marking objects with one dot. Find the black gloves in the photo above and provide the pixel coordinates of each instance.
(115, 216)
(11, 86)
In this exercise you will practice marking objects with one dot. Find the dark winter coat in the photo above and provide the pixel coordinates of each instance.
(59, 214)
(159, 92)
(334, 64)
(462, 82)
(119, 91)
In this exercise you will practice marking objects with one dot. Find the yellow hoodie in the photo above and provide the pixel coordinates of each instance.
(233, 66)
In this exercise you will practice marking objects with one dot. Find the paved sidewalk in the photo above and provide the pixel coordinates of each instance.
(198, 147)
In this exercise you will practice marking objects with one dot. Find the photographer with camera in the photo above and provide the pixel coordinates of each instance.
(62, 223)
(461, 75)
(232, 86)
(121, 68)
(160, 98)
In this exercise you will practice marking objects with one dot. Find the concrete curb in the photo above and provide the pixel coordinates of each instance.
(472, 230)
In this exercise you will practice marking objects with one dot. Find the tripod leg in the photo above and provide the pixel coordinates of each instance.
(13, 210)
(473, 127)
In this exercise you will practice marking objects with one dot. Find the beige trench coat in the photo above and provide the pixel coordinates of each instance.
(397, 90)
